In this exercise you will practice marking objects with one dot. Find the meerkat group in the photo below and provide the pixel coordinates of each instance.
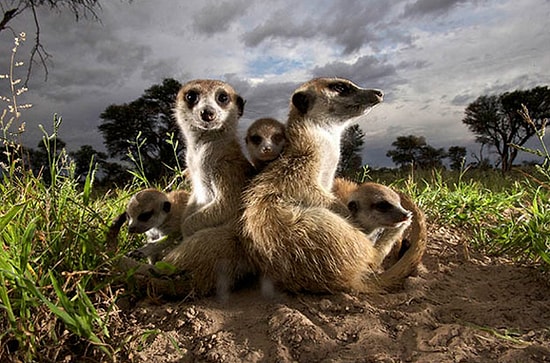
(284, 215)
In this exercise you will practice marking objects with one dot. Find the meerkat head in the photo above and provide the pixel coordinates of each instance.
(147, 209)
(375, 206)
(332, 101)
(208, 105)
(265, 139)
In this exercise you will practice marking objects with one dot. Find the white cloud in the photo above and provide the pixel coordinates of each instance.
(430, 57)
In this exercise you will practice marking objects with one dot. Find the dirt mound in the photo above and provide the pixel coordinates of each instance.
(463, 307)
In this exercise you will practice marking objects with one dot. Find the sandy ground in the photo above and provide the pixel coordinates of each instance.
(463, 307)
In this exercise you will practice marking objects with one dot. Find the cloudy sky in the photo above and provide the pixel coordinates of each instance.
(431, 58)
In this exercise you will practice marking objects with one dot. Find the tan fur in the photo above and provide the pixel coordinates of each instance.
(207, 112)
(293, 234)
(415, 233)
(211, 252)
(158, 215)
(377, 210)
(265, 140)
(342, 189)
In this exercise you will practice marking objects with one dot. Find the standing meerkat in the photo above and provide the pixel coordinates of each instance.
(207, 112)
(293, 233)
(265, 139)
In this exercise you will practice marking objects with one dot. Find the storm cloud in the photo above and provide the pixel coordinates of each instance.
(431, 58)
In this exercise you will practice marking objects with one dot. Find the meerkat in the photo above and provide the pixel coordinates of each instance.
(292, 223)
(207, 112)
(377, 209)
(265, 139)
(387, 217)
(158, 215)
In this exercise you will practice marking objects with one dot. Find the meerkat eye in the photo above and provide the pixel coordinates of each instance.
(382, 206)
(145, 216)
(341, 88)
(191, 97)
(223, 98)
(353, 206)
(256, 139)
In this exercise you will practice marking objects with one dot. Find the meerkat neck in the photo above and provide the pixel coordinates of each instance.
(321, 143)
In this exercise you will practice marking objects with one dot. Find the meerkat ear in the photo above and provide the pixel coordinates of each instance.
(303, 101)
(353, 207)
(166, 206)
(240, 105)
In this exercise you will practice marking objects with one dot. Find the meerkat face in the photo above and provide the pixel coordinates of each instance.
(333, 100)
(208, 105)
(265, 139)
(147, 209)
(376, 206)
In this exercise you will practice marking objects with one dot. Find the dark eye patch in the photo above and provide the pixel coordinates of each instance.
(145, 216)
(382, 206)
(192, 97)
(223, 98)
(255, 139)
(353, 206)
(342, 88)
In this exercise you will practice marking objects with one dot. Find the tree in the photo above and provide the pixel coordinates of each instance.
(413, 150)
(142, 127)
(431, 158)
(496, 120)
(83, 157)
(14, 8)
(407, 150)
(457, 156)
(350, 151)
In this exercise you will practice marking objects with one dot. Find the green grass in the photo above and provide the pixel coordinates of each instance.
(53, 264)
(57, 287)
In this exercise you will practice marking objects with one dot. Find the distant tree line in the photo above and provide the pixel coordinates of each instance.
(144, 131)
(413, 151)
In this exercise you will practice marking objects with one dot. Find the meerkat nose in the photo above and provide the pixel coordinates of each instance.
(207, 114)
(379, 93)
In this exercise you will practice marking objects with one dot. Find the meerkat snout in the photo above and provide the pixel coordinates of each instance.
(208, 114)
(379, 93)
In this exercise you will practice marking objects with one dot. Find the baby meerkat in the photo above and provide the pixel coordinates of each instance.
(158, 215)
(265, 139)
(377, 210)
(382, 213)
